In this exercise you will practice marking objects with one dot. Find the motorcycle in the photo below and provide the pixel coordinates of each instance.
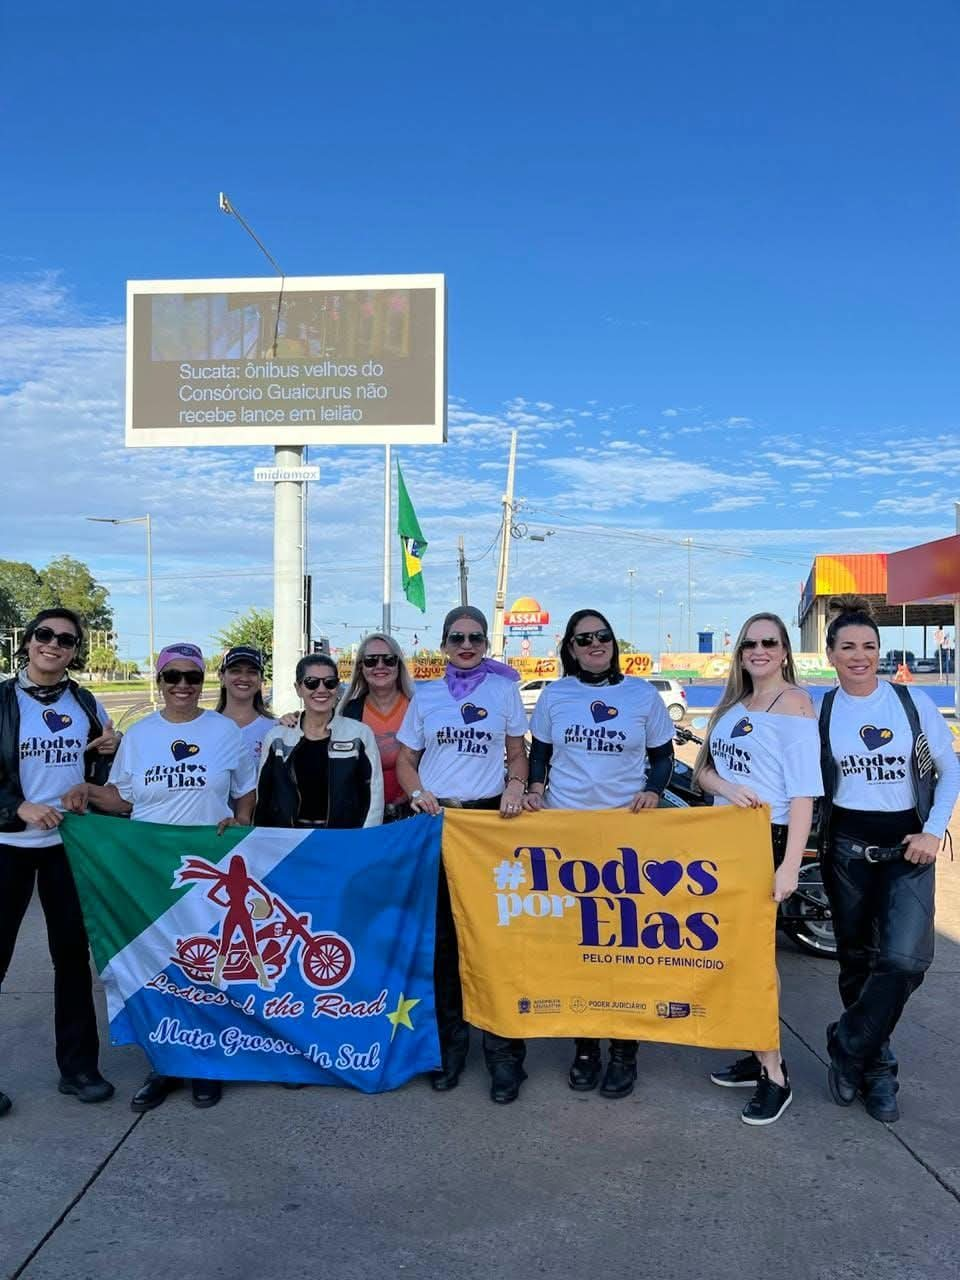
(805, 916)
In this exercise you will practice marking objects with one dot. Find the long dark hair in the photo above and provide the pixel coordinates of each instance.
(23, 653)
(570, 665)
(849, 611)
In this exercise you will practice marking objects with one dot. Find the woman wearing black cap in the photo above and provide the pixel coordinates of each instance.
(565, 773)
(458, 737)
(241, 696)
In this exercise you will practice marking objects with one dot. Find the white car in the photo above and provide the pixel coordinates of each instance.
(671, 691)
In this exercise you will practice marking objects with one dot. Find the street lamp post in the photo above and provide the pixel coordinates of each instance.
(144, 520)
(659, 623)
(631, 574)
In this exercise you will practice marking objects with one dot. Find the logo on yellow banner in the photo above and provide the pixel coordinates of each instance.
(654, 926)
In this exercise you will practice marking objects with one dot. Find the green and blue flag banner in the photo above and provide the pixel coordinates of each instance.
(300, 956)
(413, 545)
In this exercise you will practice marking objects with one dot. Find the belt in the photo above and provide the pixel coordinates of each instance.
(848, 848)
(448, 802)
(308, 822)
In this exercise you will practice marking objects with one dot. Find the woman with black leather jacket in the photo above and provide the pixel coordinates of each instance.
(53, 734)
(891, 780)
(323, 771)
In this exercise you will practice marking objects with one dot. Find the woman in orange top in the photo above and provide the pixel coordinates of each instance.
(379, 693)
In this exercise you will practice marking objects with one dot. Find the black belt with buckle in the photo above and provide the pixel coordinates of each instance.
(849, 848)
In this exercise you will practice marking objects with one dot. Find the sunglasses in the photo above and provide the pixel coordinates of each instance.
(65, 639)
(768, 642)
(470, 637)
(372, 660)
(583, 638)
(314, 682)
(192, 678)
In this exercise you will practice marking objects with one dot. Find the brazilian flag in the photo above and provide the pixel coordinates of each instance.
(412, 544)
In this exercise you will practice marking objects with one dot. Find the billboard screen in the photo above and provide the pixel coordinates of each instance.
(306, 360)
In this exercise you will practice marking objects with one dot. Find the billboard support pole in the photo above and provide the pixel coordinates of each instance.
(288, 581)
(506, 532)
(387, 535)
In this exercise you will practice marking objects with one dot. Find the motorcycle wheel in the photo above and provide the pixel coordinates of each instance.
(812, 935)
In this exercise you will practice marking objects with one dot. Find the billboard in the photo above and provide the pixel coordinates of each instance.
(306, 360)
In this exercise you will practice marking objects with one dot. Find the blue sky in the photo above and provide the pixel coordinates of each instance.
(702, 256)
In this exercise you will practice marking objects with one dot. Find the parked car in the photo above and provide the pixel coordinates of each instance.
(671, 691)
(674, 697)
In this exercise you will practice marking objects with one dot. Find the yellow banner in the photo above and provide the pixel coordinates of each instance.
(650, 926)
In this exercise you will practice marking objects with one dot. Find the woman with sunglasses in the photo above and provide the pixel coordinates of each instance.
(762, 747)
(323, 771)
(53, 734)
(379, 693)
(891, 780)
(241, 696)
(458, 738)
(181, 766)
(567, 772)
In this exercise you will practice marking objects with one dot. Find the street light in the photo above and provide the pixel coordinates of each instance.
(631, 574)
(144, 520)
(659, 623)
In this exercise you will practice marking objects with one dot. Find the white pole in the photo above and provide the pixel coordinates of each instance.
(956, 637)
(287, 579)
(500, 599)
(151, 640)
(387, 538)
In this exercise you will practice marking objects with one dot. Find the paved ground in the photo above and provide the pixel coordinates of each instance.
(325, 1182)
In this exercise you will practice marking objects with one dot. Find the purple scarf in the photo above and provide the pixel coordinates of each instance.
(462, 683)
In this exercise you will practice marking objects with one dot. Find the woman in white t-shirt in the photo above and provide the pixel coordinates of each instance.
(181, 766)
(601, 740)
(762, 747)
(241, 697)
(458, 738)
(891, 781)
(51, 733)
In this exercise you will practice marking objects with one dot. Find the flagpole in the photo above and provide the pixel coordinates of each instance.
(387, 535)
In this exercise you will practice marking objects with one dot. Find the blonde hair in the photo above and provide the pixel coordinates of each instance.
(740, 683)
(358, 687)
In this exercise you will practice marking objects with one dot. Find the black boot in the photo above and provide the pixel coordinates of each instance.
(621, 1072)
(585, 1069)
(506, 1077)
(843, 1078)
(880, 1087)
(448, 1077)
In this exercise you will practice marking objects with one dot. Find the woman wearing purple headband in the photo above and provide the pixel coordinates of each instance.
(181, 766)
(476, 704)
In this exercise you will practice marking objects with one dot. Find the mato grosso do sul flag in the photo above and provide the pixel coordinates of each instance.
(412, 546)
(657, 925)
(342, 921)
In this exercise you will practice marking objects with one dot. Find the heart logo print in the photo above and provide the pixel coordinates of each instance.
(181, 750)
(601, 712)
(664, 876)
(471, 713)
(55, 721)
(872, 737)
(741, 728)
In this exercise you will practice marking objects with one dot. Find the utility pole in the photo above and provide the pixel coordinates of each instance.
(659, 623)
(631, 574)
(500, 599)
(463, 570)
(387, 536)
(956, 637)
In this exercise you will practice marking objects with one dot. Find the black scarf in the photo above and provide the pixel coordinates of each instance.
(599, 678)
(44, 693)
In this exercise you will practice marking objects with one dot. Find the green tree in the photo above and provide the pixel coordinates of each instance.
(102, 660)
(21, 593)
(625, 646)
(70, 583)
(255, 627)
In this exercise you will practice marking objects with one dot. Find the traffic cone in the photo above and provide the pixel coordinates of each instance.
(903, 675)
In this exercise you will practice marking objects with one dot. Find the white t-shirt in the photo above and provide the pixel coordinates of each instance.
(776, 756)
(183, 774)
(53, 739)
(872, 744)
(463, 742)
(600, 735)
(253, 735)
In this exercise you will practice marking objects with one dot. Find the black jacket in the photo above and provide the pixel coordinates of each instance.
(354, 785)
(97, 767)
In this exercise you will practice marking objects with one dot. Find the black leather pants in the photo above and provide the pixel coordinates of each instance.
(883, 920)
(454, 1033)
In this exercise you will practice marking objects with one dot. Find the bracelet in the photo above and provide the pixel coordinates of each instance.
(513, 778)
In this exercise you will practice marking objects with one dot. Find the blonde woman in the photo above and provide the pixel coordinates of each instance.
(379, 693)
(762, 747)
